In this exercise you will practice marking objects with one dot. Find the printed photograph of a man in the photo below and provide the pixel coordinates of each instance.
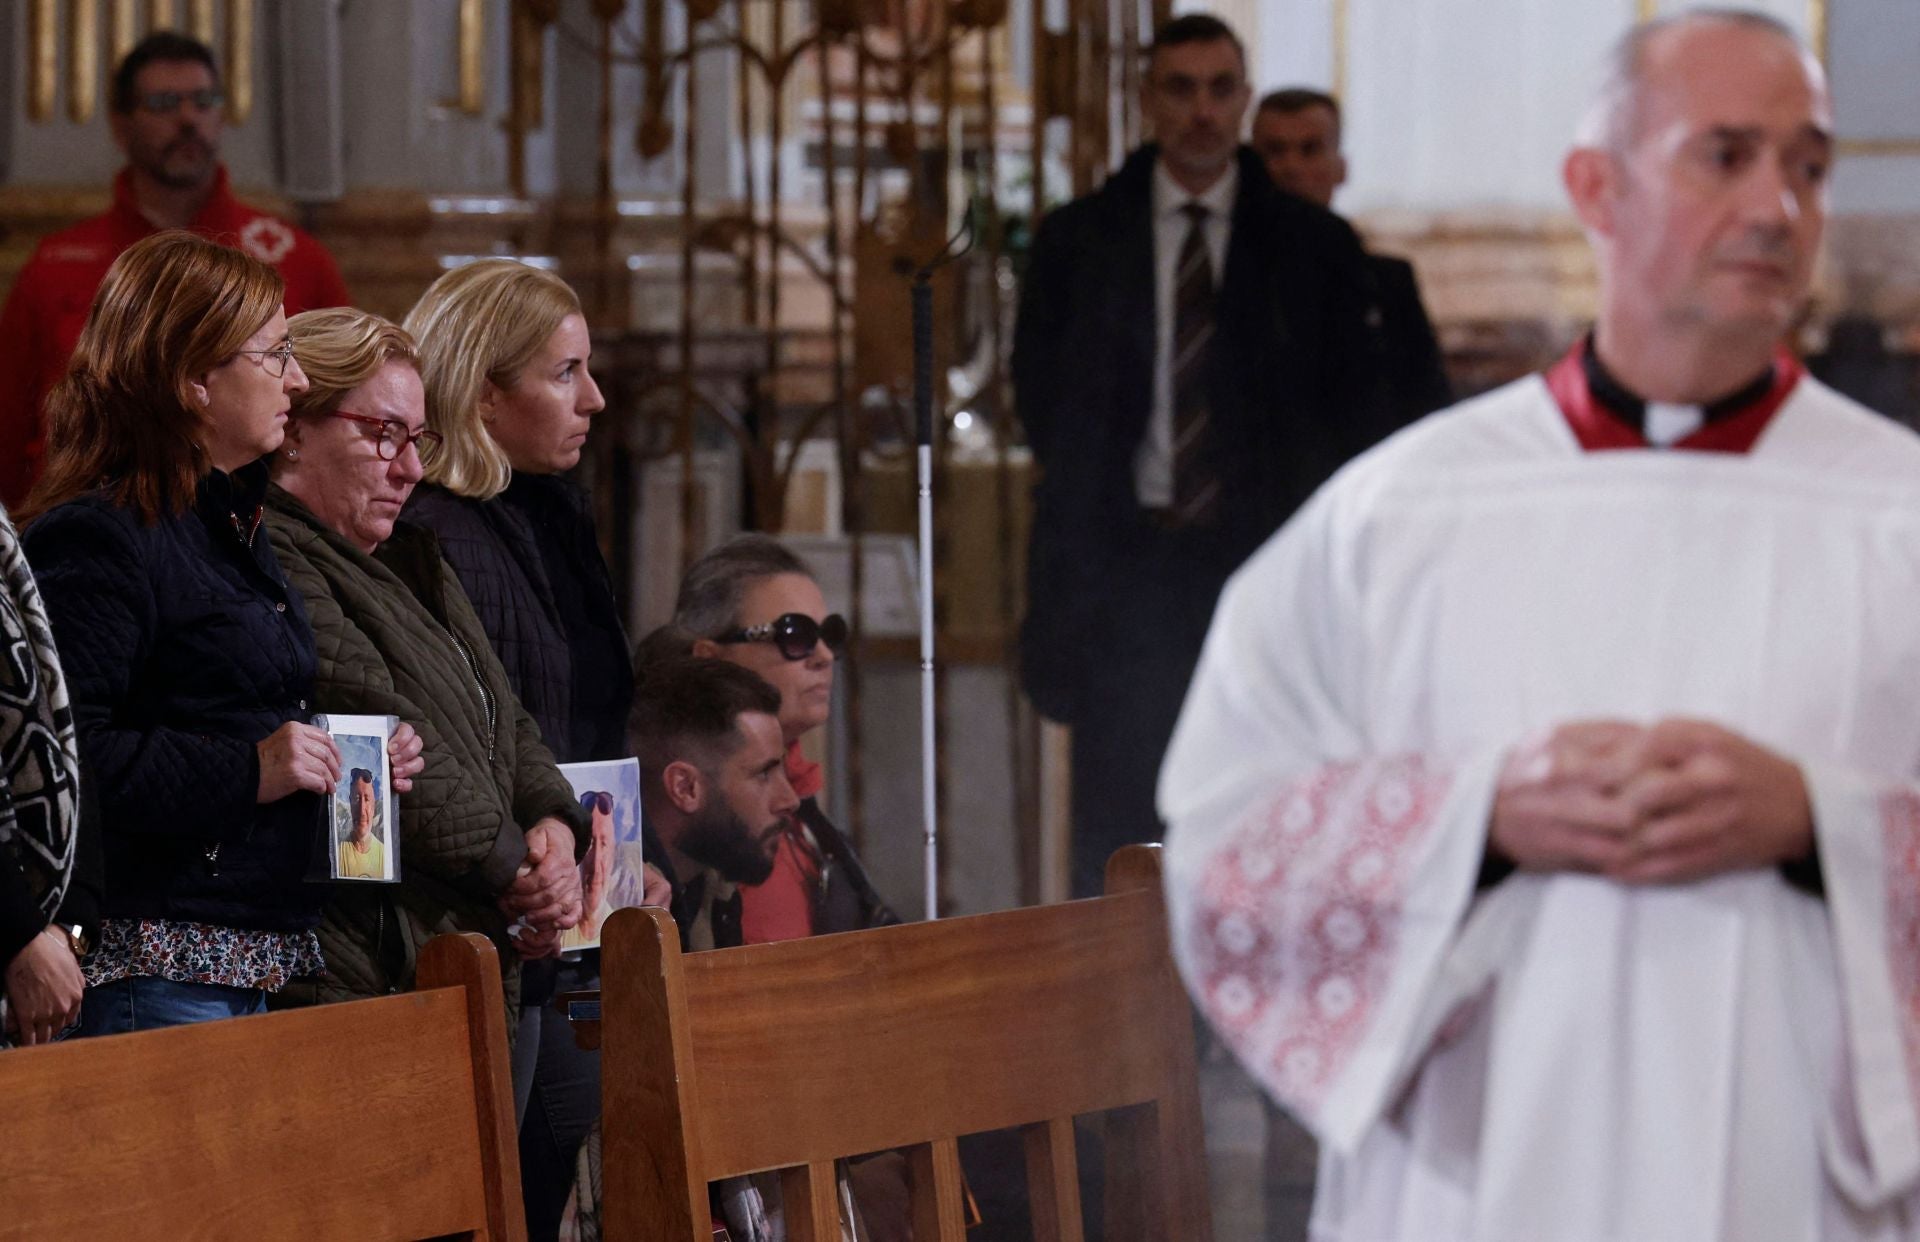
(362, 854)
(612, 872)
(596, 872)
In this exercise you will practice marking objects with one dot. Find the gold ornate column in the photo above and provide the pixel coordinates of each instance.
(123, 27)
(43, 58)
(83, 58)
(472, 44)
(239, 61)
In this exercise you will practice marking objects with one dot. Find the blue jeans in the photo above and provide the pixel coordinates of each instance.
(143, 1003)
(560, 1083)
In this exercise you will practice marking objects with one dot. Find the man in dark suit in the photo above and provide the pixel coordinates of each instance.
(1191, 360)
(1297, 134)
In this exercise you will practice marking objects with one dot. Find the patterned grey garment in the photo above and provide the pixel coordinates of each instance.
(39, 754)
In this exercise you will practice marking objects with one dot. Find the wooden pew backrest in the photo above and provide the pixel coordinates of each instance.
(387, 1118)
(791, 1055)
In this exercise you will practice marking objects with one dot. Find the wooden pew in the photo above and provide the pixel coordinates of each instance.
(377, 1119)
(788, 1056)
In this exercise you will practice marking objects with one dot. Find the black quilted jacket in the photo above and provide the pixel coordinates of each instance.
(183, 647)
(395, 636)
(529, 561)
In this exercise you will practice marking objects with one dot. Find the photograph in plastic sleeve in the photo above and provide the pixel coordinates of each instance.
(364, 818)
(610, 871)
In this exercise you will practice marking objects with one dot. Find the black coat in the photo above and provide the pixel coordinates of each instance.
(1297, 387)
(530, 562)
(183, 648)
(1416, 375)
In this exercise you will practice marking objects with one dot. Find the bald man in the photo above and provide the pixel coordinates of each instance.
(1545, 815)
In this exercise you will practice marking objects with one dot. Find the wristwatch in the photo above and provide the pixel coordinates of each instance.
(77, 939)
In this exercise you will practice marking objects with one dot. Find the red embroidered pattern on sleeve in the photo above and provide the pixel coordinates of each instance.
(1299, 917)
(1900, 828)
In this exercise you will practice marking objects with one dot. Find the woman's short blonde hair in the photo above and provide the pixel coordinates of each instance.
(171, 308)
(480, 323)
(341, 348)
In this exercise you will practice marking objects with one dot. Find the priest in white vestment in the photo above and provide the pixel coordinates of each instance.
(1545, 812)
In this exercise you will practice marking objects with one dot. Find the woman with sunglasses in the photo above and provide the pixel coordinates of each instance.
(489, 837)
(504, 352)
(188, 657)
(752, 601)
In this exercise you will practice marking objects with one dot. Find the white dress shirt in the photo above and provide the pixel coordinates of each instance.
(1153, 460)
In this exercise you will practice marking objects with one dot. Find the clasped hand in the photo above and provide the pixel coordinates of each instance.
(1665, 803)
(545, 897)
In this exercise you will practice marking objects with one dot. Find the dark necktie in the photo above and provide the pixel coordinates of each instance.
(1195, 488)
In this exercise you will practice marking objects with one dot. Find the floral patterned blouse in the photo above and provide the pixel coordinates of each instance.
(201, 953)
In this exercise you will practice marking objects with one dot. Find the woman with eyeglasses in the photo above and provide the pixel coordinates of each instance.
(752, 601)
(189, 658)
(504, 352)
(489, 837)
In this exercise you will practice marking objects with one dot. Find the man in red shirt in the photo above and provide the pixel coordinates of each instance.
(165, 112)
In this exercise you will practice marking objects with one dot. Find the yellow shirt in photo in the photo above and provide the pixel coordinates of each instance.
(355, 865)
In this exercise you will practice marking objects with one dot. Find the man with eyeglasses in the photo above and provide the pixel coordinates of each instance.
(165, 114)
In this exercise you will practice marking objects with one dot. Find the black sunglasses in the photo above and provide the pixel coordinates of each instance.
(794, 633)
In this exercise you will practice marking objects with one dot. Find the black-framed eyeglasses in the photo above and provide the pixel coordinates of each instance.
(794, 633)
(391, 436)
(165, 103)
(273, 361)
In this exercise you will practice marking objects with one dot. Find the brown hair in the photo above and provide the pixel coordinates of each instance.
(690, 708)
(172, 307)
(341, 348)
(480, 322)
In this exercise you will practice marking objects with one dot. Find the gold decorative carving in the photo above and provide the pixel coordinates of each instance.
(123, 29)
(163, 15)
(200, 20)
(1817, 28)
(472, 41)
(43, 50)
(83, 58)
(239, 60)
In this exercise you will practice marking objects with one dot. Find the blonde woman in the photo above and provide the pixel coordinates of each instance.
(504, 353)
(490, 837)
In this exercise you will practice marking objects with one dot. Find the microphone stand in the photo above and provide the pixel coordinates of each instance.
(923, 436)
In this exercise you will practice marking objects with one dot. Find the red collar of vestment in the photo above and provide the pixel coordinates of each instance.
(1597, 428)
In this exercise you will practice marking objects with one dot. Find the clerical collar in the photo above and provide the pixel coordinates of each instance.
(1660, 423)
(1604, 414)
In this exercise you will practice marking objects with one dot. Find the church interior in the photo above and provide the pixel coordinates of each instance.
(741, 193)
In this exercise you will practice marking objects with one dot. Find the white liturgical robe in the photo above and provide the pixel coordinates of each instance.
(1557, 1057)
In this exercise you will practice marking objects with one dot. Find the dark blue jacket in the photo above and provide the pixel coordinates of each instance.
(183, 648)
(530, 561)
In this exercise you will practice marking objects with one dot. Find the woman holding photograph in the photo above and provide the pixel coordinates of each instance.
(504, 351)
(489, 838)
(188, 656)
